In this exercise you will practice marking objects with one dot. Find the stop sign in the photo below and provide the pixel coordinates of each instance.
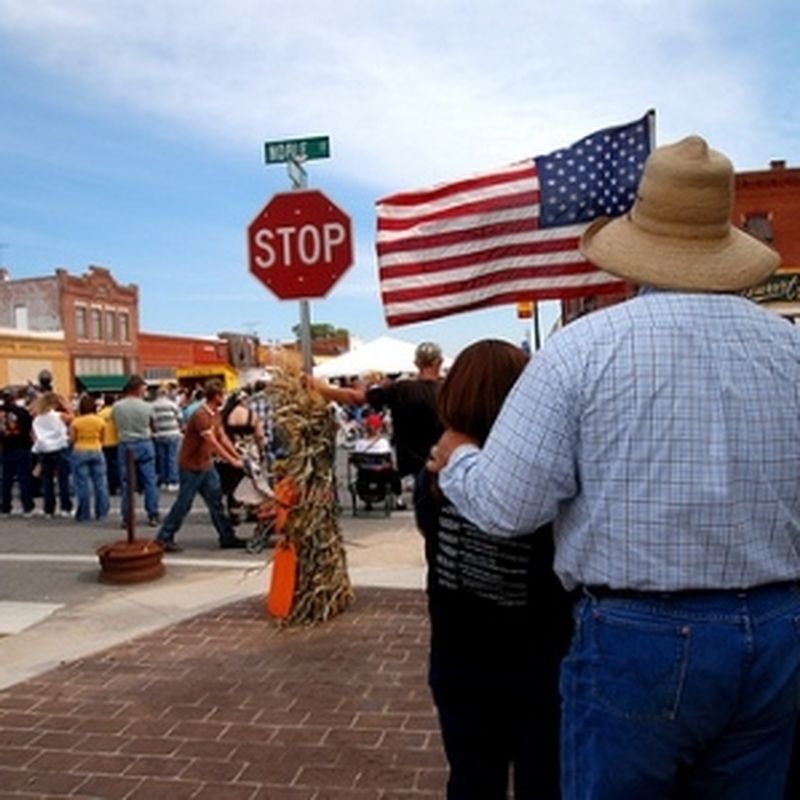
(300, 244)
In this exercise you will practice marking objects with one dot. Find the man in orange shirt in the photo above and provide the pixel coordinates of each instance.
(202, 439)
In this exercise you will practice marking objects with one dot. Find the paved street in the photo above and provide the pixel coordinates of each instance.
(182, 687)
(53, 561)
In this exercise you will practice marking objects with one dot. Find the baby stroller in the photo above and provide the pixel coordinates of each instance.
(371, 477)
(268, 504)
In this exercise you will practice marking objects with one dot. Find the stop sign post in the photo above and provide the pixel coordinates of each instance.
(300, 244)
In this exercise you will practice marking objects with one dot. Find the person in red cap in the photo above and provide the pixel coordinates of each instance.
(375, 439)
(376, 443)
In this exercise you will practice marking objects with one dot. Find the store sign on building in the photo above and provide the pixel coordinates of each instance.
(780, 287)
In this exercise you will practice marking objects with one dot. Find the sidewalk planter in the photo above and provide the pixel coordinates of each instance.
(133, 561)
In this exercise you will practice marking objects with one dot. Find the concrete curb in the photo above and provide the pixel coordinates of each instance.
(79, 631)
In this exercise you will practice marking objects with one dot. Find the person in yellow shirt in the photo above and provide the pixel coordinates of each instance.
(110, 442)
(87, 432)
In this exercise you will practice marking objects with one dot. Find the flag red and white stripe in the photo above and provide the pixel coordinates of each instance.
(476, 243)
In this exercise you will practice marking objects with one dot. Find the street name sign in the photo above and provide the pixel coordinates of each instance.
(297, 149)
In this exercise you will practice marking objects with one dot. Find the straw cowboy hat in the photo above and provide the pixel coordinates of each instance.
(678, 235)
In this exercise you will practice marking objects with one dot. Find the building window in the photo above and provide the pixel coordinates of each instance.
(760, 226)
(111, 326)
(80, 322)
(124, 327)
(99, 366)
(97, 324)
(21, 318)
(159, 374)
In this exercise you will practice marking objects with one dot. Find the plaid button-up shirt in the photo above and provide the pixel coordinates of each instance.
(663, 437)
(260, 405)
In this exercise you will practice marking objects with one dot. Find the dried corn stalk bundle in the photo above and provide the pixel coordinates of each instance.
(304, 419)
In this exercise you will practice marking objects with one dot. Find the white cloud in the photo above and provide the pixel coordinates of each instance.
(410, 92)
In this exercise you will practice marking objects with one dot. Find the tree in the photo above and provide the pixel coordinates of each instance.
(321, 330)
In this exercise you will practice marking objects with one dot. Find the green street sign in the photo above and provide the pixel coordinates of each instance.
(297, 149)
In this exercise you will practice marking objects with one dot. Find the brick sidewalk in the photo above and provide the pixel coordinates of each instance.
(226, 706)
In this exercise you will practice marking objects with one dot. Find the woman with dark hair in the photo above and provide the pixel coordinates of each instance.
(88, 462)
(500, 621)
(246, 433)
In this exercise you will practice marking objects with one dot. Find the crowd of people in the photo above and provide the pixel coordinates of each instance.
(75, 454)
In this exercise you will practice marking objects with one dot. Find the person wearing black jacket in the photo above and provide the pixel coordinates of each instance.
(15, 438)
(500, 620)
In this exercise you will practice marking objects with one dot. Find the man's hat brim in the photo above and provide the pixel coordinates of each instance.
(730, 263)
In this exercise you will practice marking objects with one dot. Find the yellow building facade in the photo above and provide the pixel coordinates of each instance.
(24, 354)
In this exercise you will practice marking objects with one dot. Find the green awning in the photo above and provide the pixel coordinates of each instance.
(101, 383)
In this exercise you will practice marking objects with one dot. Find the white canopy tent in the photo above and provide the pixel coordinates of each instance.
(384, 354)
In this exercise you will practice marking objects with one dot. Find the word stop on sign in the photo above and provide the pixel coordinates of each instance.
(290, 245)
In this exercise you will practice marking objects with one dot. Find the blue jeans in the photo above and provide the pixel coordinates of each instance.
(56, 466)
(686, 694)
(144, 457)
(206, 483)
(167, 459)
(89, 467)
(17, 464)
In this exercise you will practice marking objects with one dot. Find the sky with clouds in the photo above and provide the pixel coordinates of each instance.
(132, 131)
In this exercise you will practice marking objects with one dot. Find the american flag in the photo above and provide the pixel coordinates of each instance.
(507, 235)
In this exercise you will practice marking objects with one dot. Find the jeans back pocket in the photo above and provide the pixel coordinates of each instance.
(638, 665)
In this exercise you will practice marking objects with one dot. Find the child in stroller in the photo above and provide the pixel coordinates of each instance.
(376, 480)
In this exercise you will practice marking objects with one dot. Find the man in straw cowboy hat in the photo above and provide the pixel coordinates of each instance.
(662, 436)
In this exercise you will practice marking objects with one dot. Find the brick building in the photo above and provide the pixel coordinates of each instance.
(96, 322)
(768, 206)
(99, 319)
(188, 360)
